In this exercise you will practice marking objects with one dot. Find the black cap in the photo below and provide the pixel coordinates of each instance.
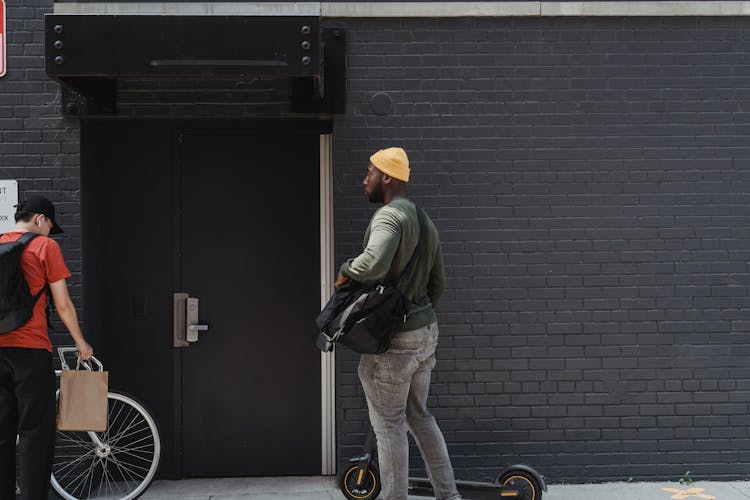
(40, 205)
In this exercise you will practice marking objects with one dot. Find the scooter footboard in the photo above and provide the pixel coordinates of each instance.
(469, 490)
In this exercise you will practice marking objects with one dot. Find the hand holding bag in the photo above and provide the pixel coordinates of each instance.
(83, 399)
(365, 317)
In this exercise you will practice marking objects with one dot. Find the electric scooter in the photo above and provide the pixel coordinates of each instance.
(361, 480)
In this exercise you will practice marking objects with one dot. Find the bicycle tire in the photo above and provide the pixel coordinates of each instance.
(122, 469)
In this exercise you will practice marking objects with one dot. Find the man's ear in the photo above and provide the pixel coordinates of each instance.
(387, 179)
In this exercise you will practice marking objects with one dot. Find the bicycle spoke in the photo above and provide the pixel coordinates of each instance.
(75, 462)
(133, 466)
(86, 474)
(144, 448)
(128, 432)
(113, 419)
(103, 481)
(125, 418)
(107, 481)
(124, 471)
(147, 439)
(132, 438)
(81, 442)
(91, 476)
(124, 432)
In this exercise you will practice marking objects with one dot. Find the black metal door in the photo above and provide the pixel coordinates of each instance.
(249, 251)
(127, 178)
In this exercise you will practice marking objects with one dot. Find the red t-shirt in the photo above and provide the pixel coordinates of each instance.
(42, 262)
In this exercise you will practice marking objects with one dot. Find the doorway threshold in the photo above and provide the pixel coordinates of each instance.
(246, 488)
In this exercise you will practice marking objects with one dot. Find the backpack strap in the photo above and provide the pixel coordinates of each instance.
(27, 237)
(408, 272)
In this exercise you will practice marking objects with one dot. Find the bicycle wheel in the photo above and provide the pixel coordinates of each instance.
(116, 464)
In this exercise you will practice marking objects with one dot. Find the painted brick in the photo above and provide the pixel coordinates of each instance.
(587, 178)
(29, 114)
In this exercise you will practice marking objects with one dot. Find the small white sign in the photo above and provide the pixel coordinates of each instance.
(8, 202)
(3, 36)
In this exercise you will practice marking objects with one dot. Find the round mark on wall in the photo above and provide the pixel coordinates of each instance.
(381, 103)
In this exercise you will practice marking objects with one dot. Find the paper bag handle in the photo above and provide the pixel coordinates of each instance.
(64, 364)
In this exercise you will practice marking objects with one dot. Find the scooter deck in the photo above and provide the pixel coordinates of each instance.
(470, 490)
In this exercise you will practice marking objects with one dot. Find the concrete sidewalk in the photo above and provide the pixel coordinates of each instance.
(324, 488)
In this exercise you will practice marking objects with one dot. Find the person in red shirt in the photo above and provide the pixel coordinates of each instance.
(27, 377)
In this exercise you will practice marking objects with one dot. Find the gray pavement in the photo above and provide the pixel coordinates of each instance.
(324, 488)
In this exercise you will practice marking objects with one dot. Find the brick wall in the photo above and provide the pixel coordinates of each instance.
(39, 148)
(590, 181)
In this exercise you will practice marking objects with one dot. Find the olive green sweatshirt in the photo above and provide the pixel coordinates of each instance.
(389, 241)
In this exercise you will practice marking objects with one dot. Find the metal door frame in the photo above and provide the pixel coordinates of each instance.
(327, 360)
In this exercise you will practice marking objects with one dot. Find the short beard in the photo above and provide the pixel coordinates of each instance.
(377, 195)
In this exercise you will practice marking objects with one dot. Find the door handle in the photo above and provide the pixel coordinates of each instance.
(191, 334)
(186, 320)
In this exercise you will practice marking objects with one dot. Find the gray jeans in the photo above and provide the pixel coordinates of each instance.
(396, 384)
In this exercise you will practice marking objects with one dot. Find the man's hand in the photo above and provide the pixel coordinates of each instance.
(340, 280)
(85, 351)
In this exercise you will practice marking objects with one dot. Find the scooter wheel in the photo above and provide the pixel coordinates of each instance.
(357, 484)
(522, 481)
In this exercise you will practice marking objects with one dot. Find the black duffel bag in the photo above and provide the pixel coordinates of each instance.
(373, 319)
(365, 317)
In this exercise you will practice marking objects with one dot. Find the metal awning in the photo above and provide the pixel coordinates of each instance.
(87, 54)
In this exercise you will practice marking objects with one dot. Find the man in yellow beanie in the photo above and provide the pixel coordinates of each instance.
(396, 382)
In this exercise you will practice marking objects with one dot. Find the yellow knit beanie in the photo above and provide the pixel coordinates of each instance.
(392, 161)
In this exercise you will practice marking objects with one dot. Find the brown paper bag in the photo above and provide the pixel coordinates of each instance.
(82, 403)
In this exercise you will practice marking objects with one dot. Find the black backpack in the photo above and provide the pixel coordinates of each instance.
(16, 301)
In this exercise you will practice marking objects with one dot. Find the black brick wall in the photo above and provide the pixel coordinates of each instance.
(39, 148)
(590, 181)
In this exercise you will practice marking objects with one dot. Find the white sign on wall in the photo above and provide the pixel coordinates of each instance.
(2, 37)
(8, 202)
